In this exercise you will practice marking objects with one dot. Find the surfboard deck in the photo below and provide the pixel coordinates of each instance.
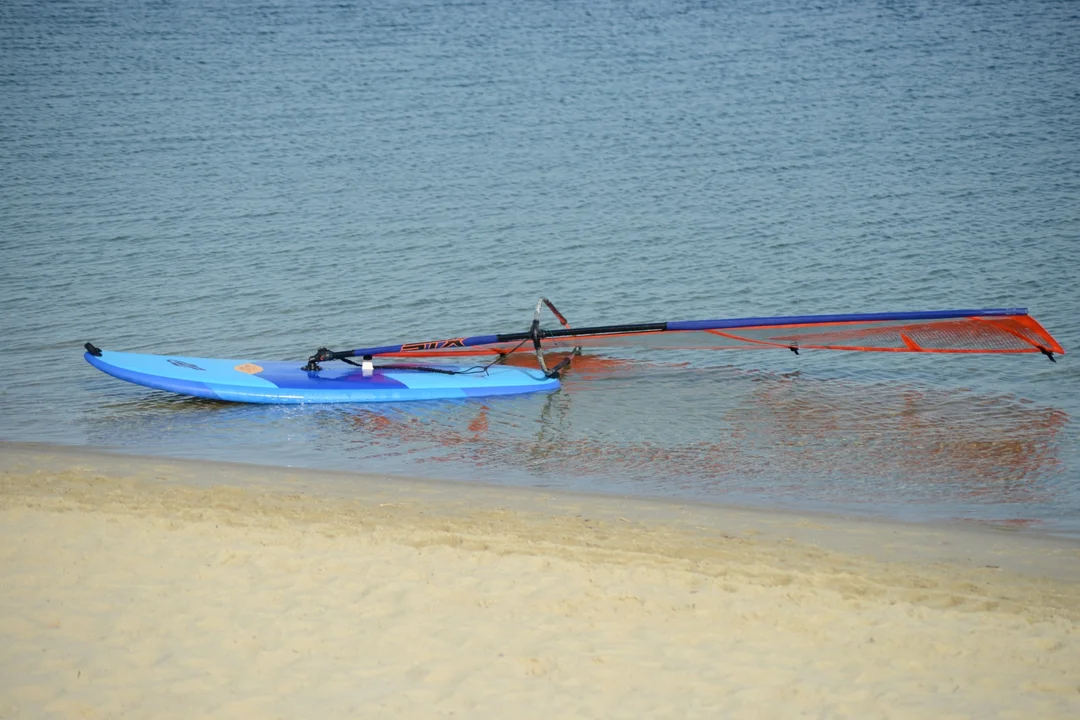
(275, 381)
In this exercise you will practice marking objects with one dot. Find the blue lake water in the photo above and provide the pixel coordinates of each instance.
(257, 179)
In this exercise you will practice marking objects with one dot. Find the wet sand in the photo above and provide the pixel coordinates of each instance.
(149, 587)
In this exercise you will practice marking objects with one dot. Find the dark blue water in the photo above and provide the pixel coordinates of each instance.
(257, 179)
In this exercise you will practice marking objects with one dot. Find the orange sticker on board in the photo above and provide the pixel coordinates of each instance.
(249, 368)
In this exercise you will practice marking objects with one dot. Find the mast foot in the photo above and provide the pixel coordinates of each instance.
(321, 355)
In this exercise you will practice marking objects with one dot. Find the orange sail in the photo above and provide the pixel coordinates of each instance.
(938, 331)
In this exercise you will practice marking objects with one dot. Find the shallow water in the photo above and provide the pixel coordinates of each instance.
(257, 179)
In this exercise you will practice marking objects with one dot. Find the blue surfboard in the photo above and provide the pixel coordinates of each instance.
(275, 381)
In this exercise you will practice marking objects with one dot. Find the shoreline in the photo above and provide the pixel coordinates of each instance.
(836, 531)
(179, 588)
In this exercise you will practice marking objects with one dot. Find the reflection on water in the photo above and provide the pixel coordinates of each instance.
(704, 433)
(781, 434)
(930, 436)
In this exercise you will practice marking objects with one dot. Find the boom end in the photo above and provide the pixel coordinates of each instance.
(1048, 353)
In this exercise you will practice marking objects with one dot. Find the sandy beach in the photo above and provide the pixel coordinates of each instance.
(147, 587)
